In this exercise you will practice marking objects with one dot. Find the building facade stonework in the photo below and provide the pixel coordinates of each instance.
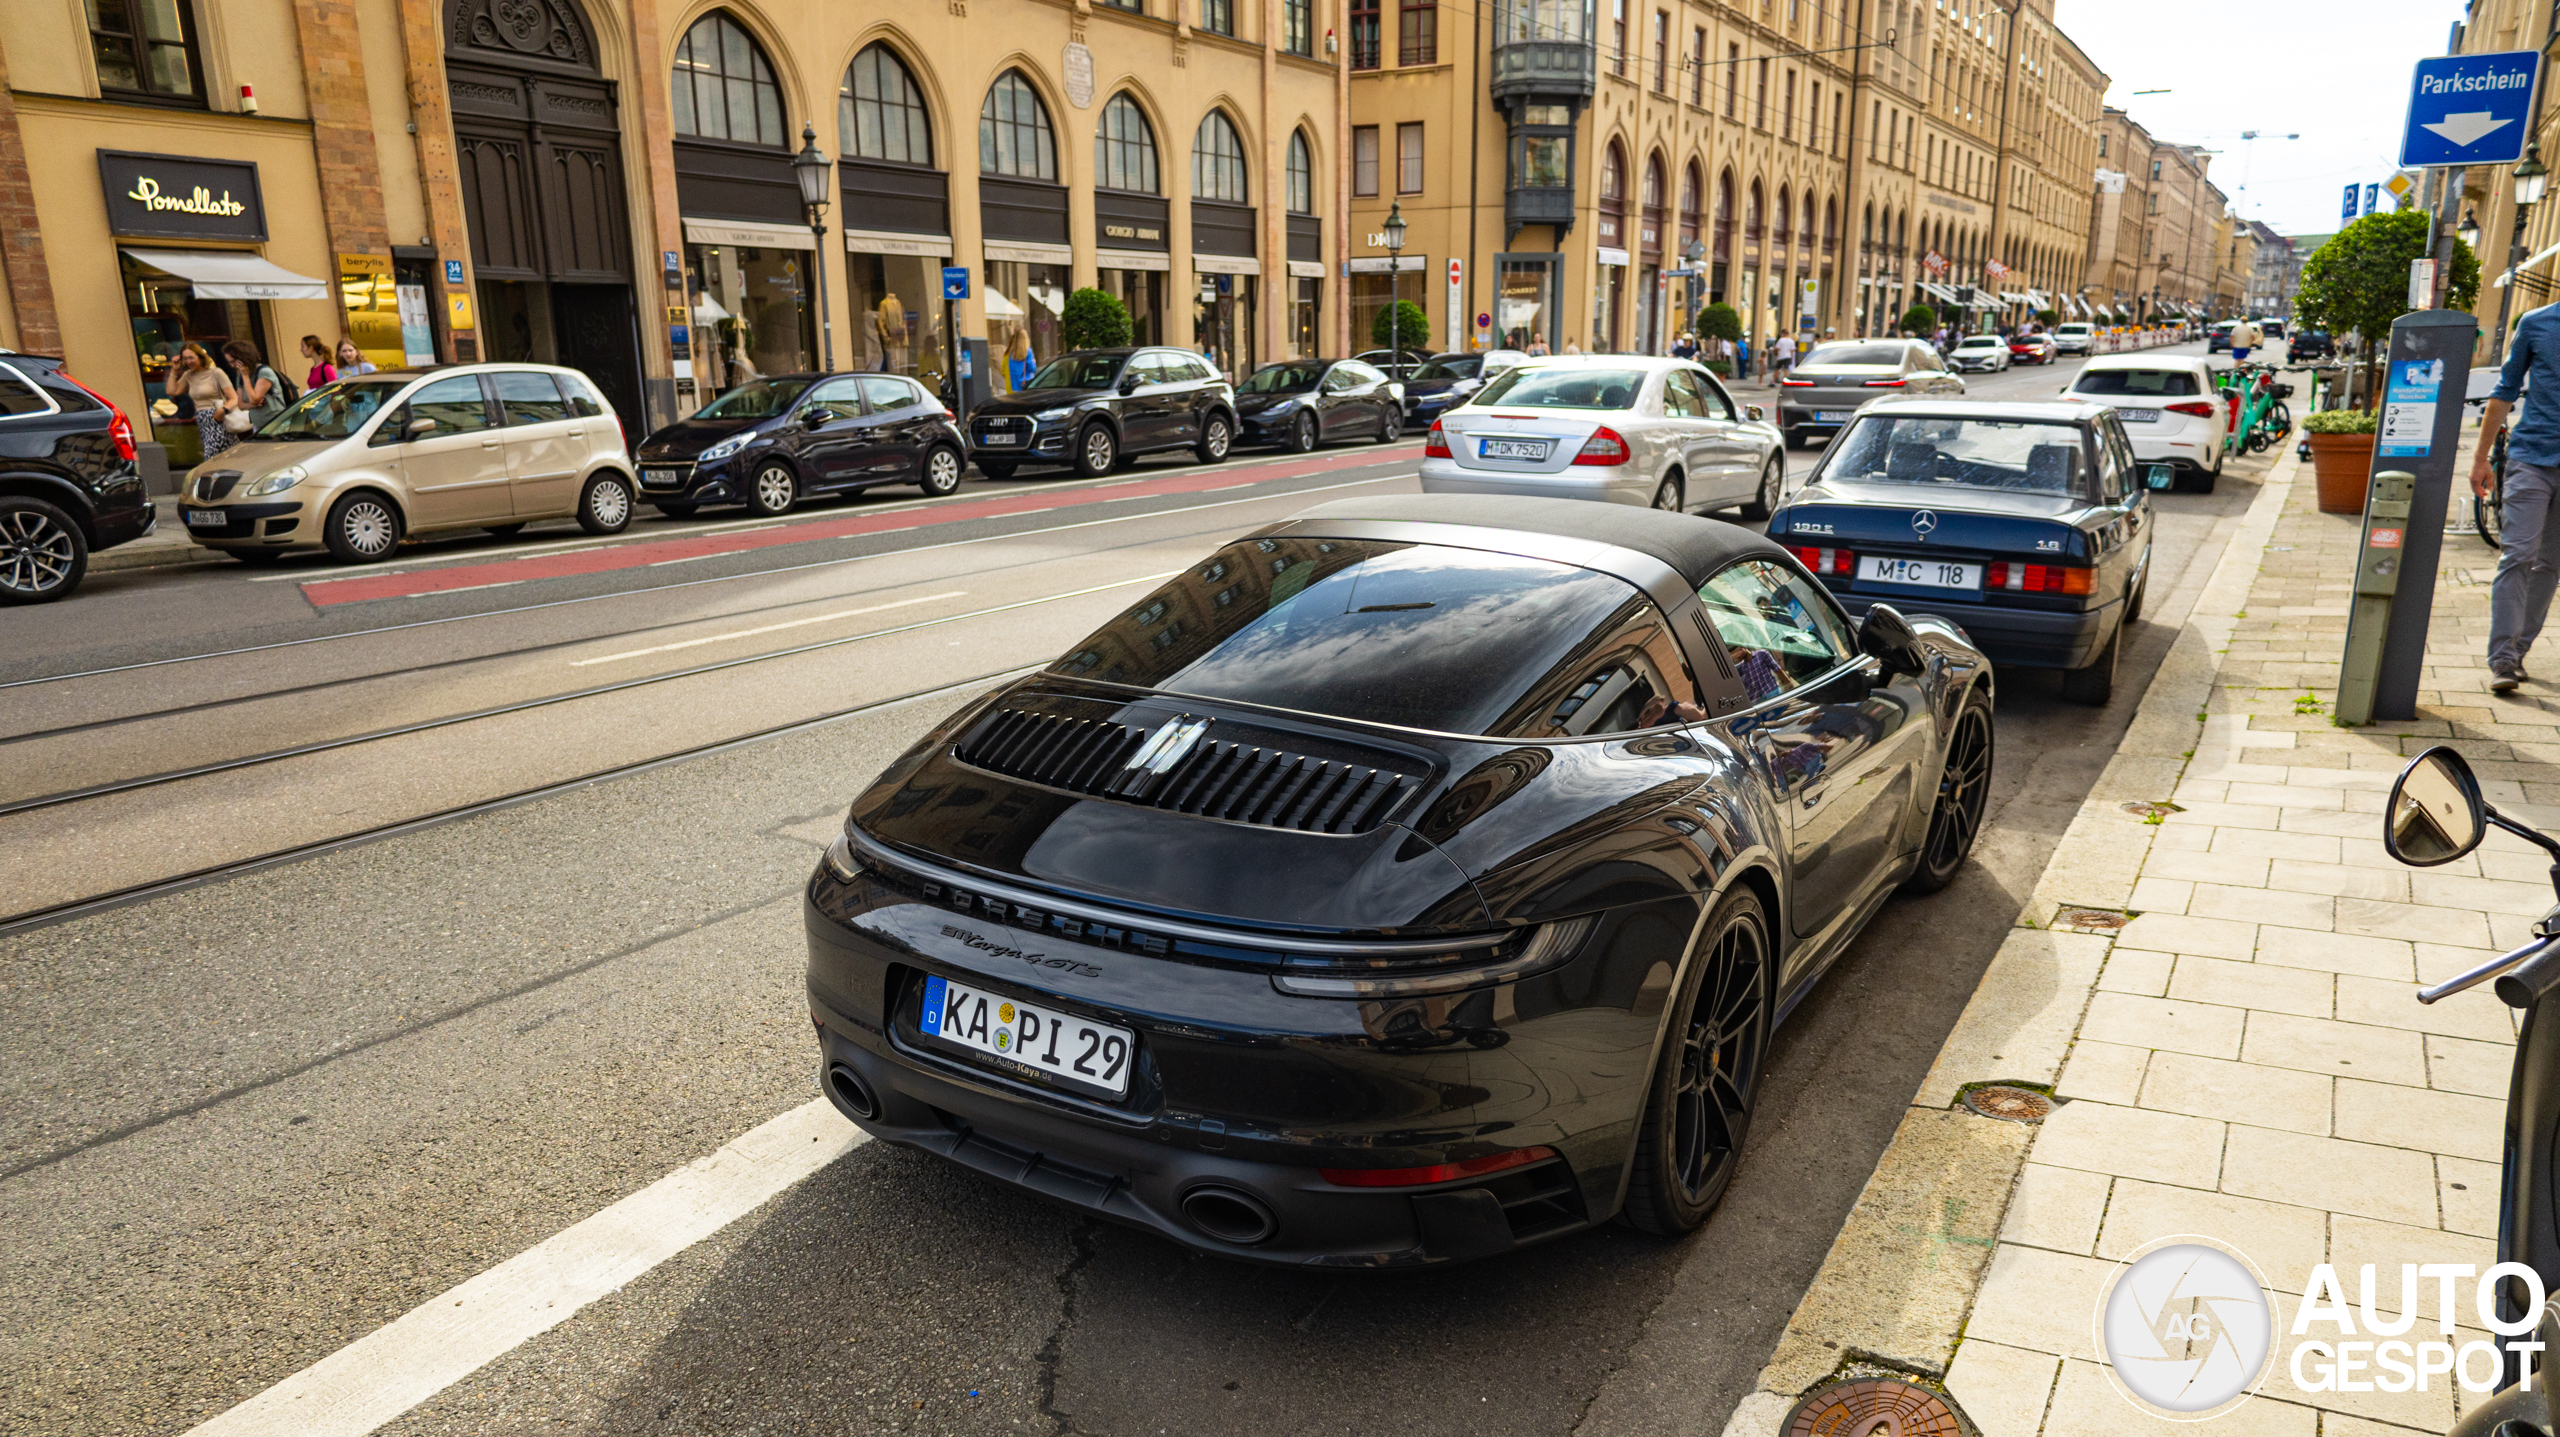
(609, 185)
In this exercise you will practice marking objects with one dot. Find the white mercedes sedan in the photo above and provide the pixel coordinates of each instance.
(1623, 429)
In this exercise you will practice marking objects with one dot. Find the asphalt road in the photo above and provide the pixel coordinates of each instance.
(247, 1122)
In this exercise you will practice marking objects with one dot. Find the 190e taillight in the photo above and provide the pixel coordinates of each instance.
(1828, 561)
(2037, 578)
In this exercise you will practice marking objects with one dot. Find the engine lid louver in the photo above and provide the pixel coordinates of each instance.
(1184, 764)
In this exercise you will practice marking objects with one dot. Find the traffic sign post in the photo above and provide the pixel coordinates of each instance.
(2469, 110)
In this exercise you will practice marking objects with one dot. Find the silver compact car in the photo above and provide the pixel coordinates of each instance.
(1622, 429)
(1828, 385)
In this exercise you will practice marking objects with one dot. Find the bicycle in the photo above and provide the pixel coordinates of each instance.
(2261, 417)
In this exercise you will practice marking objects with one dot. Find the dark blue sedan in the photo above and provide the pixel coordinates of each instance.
(2028, 524)
(771, 442)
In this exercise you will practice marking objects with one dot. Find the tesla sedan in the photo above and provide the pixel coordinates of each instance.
(2028, 522)
(1409, 881)
(1622, 429)
(1302, 404)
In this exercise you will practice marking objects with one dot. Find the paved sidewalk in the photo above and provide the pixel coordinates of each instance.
(2244, 1059)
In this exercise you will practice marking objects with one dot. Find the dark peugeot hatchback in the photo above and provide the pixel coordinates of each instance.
(68, 482)
(767, 442)
(1097, 409)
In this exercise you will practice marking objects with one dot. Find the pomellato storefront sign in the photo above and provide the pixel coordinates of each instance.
(181, 197)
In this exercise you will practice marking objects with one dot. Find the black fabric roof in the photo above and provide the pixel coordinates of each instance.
(1694, 547)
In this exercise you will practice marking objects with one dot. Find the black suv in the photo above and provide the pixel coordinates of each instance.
(1097, 409)
(2309, 344)
(68, 481)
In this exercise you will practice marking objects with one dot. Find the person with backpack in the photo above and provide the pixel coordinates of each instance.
(263, 392)
(322, 371)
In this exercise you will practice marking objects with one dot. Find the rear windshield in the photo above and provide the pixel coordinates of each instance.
(1449, 369)
(1830, 354)
(2145, 382)
(2016, 455)
(1416, 635)
(1564, 387)
(1282, 379)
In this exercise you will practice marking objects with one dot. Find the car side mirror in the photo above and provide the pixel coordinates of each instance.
(1887, 637)
(1755, 413)
(2435, 814)
(818, 414)
(1128, 384)
(419, 428)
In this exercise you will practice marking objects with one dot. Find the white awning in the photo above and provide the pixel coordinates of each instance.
(1306, 269)
(2036, 298)
(885, 242)
(1612, 258)
(1225, 264)
(748, 234)
(999, 307)
(233, 274)
(1132, 259)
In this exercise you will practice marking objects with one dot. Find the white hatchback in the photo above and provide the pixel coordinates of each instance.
(2168, 407)
(1623, 429)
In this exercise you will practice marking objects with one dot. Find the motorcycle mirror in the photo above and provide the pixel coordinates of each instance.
(1887, 636)
(2435, 814)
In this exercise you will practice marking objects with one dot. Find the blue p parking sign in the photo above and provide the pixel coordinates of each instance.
(955, 281)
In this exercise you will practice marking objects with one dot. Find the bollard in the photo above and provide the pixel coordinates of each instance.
(2379, 565)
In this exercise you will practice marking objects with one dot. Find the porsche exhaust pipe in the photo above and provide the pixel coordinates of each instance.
(850, 1092)
(1230, 1215)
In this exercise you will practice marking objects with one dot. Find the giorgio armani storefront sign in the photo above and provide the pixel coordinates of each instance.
(181, 197)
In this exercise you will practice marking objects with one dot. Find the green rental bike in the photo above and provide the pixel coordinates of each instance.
(2261, 418)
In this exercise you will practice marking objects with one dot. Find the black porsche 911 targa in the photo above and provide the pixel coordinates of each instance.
(1409, 881)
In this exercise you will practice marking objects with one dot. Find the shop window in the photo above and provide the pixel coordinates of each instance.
(880, 114)
(1409, 158)
(1364, 160)
(1418, 32)
(1302, 175)
(1013, 131)
(1217, 162)
(752, 306)
(146, 49)
(1024, 306)
(1124, 148)
(1298, 26)
(1364, 35)
(722, 87)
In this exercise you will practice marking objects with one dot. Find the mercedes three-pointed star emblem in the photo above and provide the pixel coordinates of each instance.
(1923, 522)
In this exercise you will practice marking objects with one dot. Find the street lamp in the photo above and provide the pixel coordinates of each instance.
(2529, 179)
(2468, 231)
(1394, 231)
(812, 169)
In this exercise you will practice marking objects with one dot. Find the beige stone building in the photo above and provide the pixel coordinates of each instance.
(610, 185)
(2163, 243)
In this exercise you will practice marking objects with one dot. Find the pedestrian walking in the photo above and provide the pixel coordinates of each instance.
(351, 361)
(1684, 347)
(322, 370)
(1538, 347)
(2528, 535)
(1782, 357)
(207, 390)
(2244, 337)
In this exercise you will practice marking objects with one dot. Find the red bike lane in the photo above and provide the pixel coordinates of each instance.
(324, 593)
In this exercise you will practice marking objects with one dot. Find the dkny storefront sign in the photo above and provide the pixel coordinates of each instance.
(180, 197)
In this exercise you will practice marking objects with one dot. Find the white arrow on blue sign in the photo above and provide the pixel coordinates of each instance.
(2470, 109)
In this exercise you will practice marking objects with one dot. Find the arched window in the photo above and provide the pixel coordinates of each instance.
(1785, 234)
(1804, 232)
(1751, 215)
(1653, 182)
(1217, 161)
(723, 89)
(1013, 131)
(880, 114)
(1302, 175)
(1724, 215)
(1689, 195)
(1613, 177)
(1124, 148)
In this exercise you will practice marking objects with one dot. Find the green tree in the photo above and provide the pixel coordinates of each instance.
(1718, 321)
(1401, 325)
(2359, 281)
(1919, 319)
(1094, 319)
(2048, 317)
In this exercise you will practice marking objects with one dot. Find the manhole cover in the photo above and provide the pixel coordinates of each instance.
(2090, 920)
(2010, 1105)
(1875, 1407)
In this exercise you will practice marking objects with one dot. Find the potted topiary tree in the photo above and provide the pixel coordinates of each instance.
(2359, 282)
(1919, 319)
(1094, 319)
(1720, 321)
(1400, 326)
(2341, 443)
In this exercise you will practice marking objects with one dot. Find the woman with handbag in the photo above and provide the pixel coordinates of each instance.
(208, 390)
(261, 395)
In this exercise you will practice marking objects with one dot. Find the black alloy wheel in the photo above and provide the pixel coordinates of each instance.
(1303, 437)
(605, 507)
(773, 491)
(1097, 451)
(42, 553)
(941, 471)
(1216, 437)
(1391, 428)
(1764, 500)
(1670, 496)
(1964, 790)
(362, 528)
(1709, 1074)
(503, 531)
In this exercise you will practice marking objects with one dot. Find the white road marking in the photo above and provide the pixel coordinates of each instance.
(378, 1377)
(765, 629)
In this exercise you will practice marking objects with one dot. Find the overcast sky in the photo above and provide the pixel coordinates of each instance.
(2335, 72)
